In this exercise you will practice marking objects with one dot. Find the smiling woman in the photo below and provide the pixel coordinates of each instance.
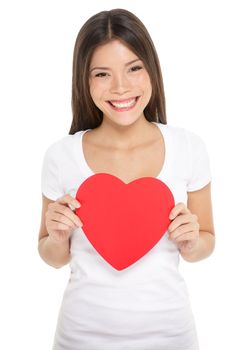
(119, 128)
(122, 87)
(125, 35)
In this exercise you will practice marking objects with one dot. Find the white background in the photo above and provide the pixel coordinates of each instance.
(194, 43)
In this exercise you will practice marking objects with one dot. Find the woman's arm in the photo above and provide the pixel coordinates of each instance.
(54, 246)
(192, 228)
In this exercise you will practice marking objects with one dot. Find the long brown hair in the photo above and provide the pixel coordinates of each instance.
(98, 30)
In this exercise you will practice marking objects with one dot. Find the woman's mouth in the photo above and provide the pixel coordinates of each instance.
(123, 105)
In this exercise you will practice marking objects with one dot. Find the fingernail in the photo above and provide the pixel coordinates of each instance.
(77, 205)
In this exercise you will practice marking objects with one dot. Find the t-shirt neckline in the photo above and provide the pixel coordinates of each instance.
(163, 171)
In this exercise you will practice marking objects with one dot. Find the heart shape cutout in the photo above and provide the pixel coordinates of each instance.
(123, 221)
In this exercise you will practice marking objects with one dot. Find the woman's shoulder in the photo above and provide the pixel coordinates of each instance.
(181, 134)
(63, 144)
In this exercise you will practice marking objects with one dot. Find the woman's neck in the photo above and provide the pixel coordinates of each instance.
(113, 135)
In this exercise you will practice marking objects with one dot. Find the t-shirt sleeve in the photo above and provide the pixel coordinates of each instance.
(50, 174)
(199, 164)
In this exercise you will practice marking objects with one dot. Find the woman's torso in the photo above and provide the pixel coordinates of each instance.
(145, 306)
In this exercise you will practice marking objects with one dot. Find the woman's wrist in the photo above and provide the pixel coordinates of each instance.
(202, 249)
(53, 252)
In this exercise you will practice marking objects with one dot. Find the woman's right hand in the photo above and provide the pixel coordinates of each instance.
(61, 220)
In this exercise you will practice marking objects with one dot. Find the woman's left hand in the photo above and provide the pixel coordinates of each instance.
(184, 228)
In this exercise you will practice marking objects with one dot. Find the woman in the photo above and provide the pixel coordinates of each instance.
(119, 127)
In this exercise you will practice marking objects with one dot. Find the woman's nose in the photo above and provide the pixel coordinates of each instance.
(120, 84)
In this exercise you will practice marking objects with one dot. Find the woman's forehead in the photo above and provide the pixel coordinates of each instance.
(113, 50)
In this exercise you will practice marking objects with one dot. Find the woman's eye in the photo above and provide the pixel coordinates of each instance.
(135, 68)
(102, 74)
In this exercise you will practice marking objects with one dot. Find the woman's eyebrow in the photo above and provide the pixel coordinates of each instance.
(106, 68)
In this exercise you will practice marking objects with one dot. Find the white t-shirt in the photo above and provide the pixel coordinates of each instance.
(145, 306)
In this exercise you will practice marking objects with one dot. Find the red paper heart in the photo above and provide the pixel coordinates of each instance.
(123, 221)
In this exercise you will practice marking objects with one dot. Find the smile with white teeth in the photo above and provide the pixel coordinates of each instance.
(127, 104)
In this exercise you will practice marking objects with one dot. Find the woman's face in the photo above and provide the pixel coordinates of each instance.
(119, 83)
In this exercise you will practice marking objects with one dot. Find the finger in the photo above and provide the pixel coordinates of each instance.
(63, 219)
(191, 227)
(180, 220)
(60, 235)
(54, 225)
(185, 246)
(180, 208)
(68, 199)
(181, 231)
(57, 237)
(187, 236)
(62, 209)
